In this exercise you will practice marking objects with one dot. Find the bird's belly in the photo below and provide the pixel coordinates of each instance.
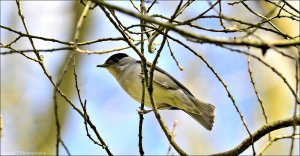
(134, 88)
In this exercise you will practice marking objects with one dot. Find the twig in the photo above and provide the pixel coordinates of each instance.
(202, 14)
(296, 107)
(15, 51)
(150, 88)
(65, 147)
(31, 50)
(1, 126)
(173, 135)
(143, 65)
(285, 9)
(56, 116)
(134, 6)
(259, 134)
(263, 17)
(152, 38)
(173, 56)
(58, 127)
(255, 90)
(269, 66)
(21, 34)
(89, 52)
(280, 137)
(86, 118)
(152, 4)
(220, 80)
(14, 41)
(292, 7)
(40, 58)
(150, 91)
(40, 62)
(198, 37)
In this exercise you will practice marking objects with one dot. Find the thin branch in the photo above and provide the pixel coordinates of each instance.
(15, 51)
(58, 127)
(141, 116)
(173, 135)
(31, 50)
(255, 90)
(265, 18)
(21, 34)
(285, 9)
(250, 25)
(89, 52)
(86, 118)
(65, 147)
(173, 56)
(14, 41)
(296, 107)
(33, 36)
(40, 58)
(202, 14)
(152, 4)
(292, 7)
(259, 134)
(198, 37)
(150, 91)
(220, 80)
(220, 14)
(46, 72)
(280, 137)
(269, 66)
(136, 8)
(105, 51)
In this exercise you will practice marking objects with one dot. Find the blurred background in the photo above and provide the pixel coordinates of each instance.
(27, 95)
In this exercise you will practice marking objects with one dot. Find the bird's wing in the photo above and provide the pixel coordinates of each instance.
(164, 79)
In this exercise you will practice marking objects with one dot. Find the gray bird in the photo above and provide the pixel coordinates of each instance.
(168, 92)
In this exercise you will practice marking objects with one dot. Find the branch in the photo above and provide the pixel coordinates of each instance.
(21, 34)
(141, 117)
(86, 117)
(200, 38)
(259, 134)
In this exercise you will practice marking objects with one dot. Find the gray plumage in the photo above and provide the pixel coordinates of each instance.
(168, 92)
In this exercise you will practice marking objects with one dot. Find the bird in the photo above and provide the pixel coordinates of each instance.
(169, 93)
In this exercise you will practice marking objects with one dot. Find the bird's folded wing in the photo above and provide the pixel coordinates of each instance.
(163, 81)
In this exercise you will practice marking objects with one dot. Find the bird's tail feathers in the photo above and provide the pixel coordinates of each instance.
(206, 116)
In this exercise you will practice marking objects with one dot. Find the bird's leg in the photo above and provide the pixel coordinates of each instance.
(160, 107)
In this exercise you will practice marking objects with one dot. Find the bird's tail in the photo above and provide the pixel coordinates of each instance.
(206, 116)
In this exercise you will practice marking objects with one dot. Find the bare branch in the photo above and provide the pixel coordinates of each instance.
(259, 134)
(200, 38)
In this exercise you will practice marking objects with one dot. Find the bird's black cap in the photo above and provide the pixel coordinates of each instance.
(113, 59)
(116, 57)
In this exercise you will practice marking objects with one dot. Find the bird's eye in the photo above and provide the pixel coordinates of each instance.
(116, 60)
(110, 61)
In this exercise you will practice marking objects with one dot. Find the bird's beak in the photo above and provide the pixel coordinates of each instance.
(103, 65)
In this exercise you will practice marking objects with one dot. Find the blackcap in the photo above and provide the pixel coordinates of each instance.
(167, 91)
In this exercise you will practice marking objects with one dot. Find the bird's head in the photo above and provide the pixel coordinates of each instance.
(116, 63)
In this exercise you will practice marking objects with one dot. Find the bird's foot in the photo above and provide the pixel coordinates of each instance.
(144, 111)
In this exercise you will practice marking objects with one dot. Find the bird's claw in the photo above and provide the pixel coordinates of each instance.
(143, 111)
